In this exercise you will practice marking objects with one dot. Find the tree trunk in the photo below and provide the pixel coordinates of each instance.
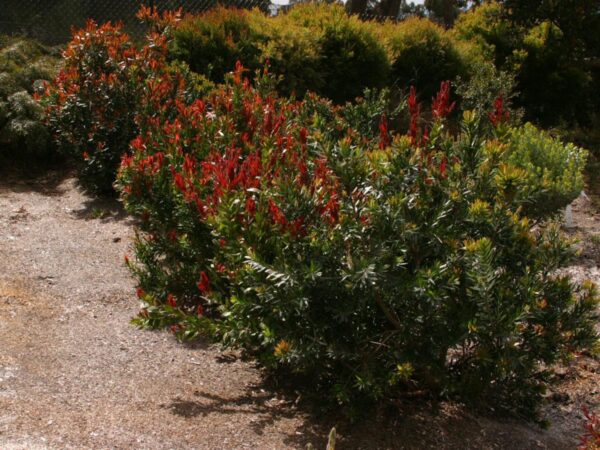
(357, 6)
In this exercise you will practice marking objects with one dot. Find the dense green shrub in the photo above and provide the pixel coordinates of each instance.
(314, 47)
(422, 54)
(213, 41)
(23, 134)
(350, 58)
(368, 265)
(484, 85)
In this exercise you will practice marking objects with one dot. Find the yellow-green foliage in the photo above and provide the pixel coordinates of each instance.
(485, 27)
(553, 170)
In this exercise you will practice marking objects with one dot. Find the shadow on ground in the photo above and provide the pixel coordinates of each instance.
(46, 181)
(410, 424)
(103, 209)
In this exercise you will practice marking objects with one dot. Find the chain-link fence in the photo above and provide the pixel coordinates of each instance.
(50, 21)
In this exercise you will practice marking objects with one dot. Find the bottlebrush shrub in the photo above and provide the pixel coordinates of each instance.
(368, 266)
(107, 86)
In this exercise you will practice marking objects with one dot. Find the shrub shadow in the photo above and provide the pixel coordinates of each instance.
(406, 424)
(47, 180)
(103, 209)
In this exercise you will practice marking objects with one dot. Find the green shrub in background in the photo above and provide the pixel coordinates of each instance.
(24, 137)
(293, 54)
(422, 54)
(349, 56)
(367, 266)
(555, 85)
(485, 84)
(213, 41)
(315, 47)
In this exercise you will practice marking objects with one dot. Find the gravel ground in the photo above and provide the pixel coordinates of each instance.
(75, 374)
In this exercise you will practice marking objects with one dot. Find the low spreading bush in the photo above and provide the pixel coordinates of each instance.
(368, 265)
(23, 134)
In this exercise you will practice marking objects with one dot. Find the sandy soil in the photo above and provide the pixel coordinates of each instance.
(75, 374)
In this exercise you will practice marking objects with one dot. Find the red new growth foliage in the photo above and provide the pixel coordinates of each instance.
(140, 292)
(591, 439)
(441, 106)
(499, 114)
(199, 311)
(251, 206)
(204, 283)
(160, 22)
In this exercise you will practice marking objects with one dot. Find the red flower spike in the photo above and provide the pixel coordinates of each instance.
(138, 144)
(204, 283)
(441, 106)
(415, 115)
(384, 137)
(251, 206)
(171, 301)
(303, 135)
(199, 311)
(179, 182)
(276, 214)
(140, 292)
(499, 114)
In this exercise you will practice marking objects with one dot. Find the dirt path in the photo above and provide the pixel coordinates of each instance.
(75, 374)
